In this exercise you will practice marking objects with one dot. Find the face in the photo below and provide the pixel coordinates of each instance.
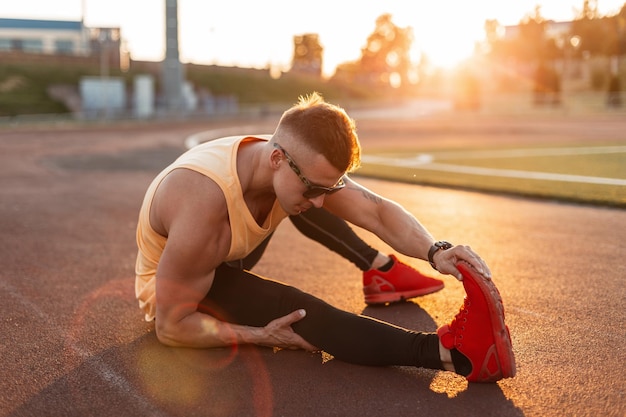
(311, 192)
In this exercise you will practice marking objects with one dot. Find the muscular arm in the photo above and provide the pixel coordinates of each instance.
(385, 218)
(190, 210)
(397, 227)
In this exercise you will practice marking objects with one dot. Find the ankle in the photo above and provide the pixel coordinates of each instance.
(380, 260)
(446, 359)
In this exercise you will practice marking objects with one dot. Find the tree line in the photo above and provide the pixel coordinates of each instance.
(385, 61)
(590, 34)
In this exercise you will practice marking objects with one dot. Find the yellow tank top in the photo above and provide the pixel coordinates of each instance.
(217, 160)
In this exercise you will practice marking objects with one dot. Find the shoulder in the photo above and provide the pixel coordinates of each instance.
(189, 209)
(187, 196)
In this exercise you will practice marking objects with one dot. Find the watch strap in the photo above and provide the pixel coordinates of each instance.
(437, 246)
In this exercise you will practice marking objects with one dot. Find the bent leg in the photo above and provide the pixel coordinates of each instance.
(241, 297)
(333, 232)
(251, 260)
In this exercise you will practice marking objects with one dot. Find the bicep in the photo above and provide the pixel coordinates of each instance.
(383, 217)
(192, 210)
(184, 277)
(357, 204)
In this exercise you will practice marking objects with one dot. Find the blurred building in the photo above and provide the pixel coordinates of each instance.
(61, 38)
(553, 30)
(44, 36)
(307, 55)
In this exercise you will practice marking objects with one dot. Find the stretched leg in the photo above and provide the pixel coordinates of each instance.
(334, 233)
(240, 297)
(385, 278)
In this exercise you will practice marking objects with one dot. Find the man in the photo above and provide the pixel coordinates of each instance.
(207, 218)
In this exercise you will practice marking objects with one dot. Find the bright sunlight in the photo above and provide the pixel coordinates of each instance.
(260, 34)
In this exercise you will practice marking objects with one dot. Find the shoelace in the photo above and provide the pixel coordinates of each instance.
(458, 324)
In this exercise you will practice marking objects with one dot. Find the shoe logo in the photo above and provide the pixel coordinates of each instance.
(490, 369)
(378, 285)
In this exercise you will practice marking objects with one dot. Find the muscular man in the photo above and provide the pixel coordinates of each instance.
(207, 218)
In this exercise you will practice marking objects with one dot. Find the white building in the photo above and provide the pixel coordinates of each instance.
(56, 37)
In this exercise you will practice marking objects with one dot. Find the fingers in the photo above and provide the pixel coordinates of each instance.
(476, 262)
(292, 317)
(297, 339)
(303, 344)
(283, 336)
(464, 253)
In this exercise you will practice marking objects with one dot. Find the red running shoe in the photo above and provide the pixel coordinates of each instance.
(401, 282)
(479, 332)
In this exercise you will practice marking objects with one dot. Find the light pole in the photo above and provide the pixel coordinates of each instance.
(172, 69)
(614, 98)
(104, 72)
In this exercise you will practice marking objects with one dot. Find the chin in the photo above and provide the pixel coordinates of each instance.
(298, 210)
(290, 210)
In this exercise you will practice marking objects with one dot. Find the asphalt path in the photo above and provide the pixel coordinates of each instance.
(74, 343)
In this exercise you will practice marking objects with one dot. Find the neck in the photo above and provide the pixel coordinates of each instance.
(254, 174)
(256, 179)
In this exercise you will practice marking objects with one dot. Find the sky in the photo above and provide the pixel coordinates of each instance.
(259, 33)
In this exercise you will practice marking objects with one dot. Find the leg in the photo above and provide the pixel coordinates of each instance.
(249, 261)
(238, 296)
(385, 278)
(334, 233)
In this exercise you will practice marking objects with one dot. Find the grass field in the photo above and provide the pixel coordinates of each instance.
(587, 174)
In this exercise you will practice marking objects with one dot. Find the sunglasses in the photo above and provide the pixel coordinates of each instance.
(312, 190)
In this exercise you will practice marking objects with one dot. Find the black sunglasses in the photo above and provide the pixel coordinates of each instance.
(312, 190)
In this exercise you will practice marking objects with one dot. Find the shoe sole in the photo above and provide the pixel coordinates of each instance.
(393, 297)
(501, 335)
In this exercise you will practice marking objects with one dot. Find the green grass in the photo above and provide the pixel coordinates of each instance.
(611, 165)
(23, 87)
(23, 90)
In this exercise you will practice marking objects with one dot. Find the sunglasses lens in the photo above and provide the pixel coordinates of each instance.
(313, 192)
(318, 191)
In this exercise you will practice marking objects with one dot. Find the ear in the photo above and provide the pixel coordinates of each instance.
(275, 158)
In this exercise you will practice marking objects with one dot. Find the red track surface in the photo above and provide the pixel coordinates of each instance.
(73, 342)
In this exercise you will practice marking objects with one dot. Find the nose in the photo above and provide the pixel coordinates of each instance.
(318, 201)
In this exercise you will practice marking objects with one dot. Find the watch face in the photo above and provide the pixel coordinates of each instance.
(443, 244)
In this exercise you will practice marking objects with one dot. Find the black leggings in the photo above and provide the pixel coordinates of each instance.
(241, 297)
(334, 233)
(327, 229)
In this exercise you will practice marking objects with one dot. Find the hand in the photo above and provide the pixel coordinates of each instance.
(280, 334)
(446, 260)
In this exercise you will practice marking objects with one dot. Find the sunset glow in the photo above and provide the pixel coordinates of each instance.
(260, 33)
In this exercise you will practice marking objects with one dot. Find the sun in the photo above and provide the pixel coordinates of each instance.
(444, 38)
(447, 55)
(442, 49)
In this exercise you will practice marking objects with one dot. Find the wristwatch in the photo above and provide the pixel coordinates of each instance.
(441, 245)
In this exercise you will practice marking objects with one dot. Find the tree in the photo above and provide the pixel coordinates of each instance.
(591, 29)
(385, 59)
(498, 49)
(616, 33)
(532, 43)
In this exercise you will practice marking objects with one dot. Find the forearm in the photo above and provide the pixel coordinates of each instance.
(386, 219)
(199, 330)
(403, 232)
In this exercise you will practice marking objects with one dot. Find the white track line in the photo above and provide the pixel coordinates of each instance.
(426, 162)
(522, 153)
(104, 370)
(208, 135)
